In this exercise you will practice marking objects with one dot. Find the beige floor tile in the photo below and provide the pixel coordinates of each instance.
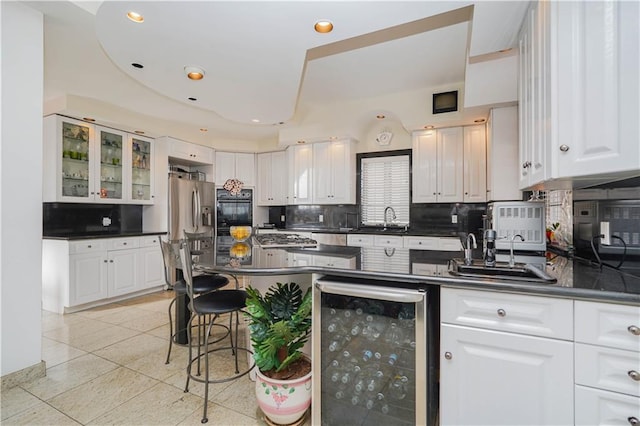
(107, 336)
(101, 395)
(162, 331)
(163, 405)
(40, 414)
(147, 321)
(240, 396)
(219, 416)
(153, 364)
(101, 311)
(51, 321)
(54, 353)
(16, 400)
(74, 329)
(129, 350)
(68, 375)
(124, 317)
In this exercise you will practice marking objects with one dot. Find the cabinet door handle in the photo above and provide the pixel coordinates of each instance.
(526, 164)
(634, 330)
(633, 420)
(111, 261)
(564, 148)
(105, 261)
(124, 244)
(502, 313)
(634, 375)
(448, 355)
(89, 246)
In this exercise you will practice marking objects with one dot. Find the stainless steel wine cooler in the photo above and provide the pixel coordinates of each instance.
(372, 355)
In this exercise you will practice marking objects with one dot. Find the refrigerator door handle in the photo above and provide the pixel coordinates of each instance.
(394, 295)
(194, 209)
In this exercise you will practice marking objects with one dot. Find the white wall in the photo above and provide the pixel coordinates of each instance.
(21, 186)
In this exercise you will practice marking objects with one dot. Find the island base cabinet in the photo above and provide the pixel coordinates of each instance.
(599, 407)
(495, 378)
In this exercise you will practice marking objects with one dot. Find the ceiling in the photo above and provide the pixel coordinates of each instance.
(262, 59)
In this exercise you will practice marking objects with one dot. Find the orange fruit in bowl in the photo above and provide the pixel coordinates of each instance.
(240, 233)
(240, 250)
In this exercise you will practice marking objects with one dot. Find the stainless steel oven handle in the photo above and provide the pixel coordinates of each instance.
(194, 208)
(372, 292)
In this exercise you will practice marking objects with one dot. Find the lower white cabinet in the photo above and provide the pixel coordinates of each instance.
(598, 407)
(76, 273)
(492, 375)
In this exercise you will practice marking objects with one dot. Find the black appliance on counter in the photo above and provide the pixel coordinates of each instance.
(233, 209)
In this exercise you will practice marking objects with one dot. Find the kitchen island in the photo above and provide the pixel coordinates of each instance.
(497, 351)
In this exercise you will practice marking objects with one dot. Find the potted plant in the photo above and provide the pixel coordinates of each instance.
(280, 323)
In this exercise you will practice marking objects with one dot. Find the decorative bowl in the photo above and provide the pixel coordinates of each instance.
(240, 233)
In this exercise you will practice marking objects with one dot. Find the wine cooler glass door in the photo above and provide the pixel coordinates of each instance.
(370, 355)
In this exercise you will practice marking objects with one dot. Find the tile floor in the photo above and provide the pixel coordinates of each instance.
(107, 366)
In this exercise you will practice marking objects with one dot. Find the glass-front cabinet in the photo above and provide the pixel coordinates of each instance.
(84, 162)
(141, 174)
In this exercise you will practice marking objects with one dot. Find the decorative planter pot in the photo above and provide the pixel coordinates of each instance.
(283, 401)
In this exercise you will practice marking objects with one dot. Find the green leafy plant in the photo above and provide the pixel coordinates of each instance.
(280, 323)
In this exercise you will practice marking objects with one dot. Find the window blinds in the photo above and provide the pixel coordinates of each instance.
(384, 182)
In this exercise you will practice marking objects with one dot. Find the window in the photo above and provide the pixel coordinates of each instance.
(385, 182)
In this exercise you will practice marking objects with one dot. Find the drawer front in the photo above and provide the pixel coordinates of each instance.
(150, 241)
(421, 243)
(426, 269)
(86, 246)
(449, 244)
(358, 240)
(388, 241)
(598, 407)
(607, 324)
(123, 243)
(610, 369)
(533, 315)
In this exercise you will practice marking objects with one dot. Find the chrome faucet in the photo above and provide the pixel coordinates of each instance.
(512, 259)
(468, 250)
(385, 215)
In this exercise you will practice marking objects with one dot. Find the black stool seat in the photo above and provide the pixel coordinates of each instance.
(220, 302)
(202, 284)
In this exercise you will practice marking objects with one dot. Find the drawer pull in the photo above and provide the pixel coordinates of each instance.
(633, 420)
(89, 246)
(124, 244)
(502, 313)
(448, 355)
(634, 375)
(634, 330)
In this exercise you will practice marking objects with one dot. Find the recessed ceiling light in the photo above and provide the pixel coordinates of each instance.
(479, 120)
(140, 132)
(255, 120)
(89, 119)
(333, 138)
(135, 17)
(301, 142)
(323, 26)
(429, 127)
(137, 65)
(202, 129)
(194, 73)
(193, 99)
(380, 116)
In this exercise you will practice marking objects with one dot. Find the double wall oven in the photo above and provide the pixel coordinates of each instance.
(233, 210)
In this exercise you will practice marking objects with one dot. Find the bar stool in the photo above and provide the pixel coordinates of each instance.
(213, 305)
(201, 283)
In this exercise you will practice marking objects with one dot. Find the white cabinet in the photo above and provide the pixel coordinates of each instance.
(235, 165)
(475, 164)
(494, 369)
(333, 173)
(578, 95)
(300, 160)
(189, 152)
(359, 240)
(76, 273)
(87, 163)
(432, 243)
(502, 155)
(607, 363)
(438, 166)
(272, 178)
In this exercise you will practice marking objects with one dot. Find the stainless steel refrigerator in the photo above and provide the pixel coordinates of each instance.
(191, 206)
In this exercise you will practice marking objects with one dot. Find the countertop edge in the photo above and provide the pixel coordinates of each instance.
(102, 236)
(468, 283)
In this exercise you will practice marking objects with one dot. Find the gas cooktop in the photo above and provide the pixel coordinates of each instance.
(284, 240)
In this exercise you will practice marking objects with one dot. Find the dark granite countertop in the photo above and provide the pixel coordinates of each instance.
(75, 237)
(576, 278)
(369, 230)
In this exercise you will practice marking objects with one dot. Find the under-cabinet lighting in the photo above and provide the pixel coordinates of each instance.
(255, 120)
(380, 116)
(429, 127)
(89, 119)
(140, 132)
(479, 120)
(202, 129)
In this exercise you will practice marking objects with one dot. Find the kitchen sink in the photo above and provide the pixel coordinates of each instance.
(502, 270)
(382, 230)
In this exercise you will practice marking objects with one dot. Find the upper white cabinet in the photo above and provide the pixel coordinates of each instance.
(235, 165)
(475, 164)
(300, 159)
(272, 178)
(87, 163)
(333, 173)
(189, 152)
(579, 103)
(502, 155)
(449, 165)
